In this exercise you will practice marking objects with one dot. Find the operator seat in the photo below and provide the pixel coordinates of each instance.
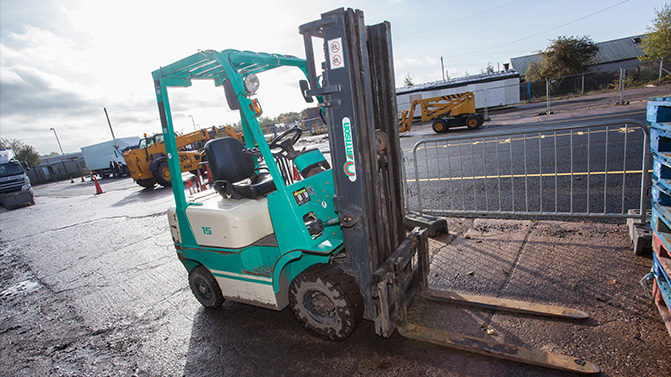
(234, 171)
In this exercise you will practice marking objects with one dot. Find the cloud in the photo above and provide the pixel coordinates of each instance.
(30, 91)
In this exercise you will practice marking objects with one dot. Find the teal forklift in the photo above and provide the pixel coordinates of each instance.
(331, 245)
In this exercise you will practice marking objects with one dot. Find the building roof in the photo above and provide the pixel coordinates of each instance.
(458, 81)
(50, 160)
(609, 52)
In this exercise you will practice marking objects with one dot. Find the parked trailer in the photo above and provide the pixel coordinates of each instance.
(98, 156)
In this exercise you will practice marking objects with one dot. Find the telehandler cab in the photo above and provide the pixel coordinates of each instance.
(331, 246)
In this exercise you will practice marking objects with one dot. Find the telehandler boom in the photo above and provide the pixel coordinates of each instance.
(331, 246)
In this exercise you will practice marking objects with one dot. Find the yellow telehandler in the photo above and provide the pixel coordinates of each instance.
(148, 164)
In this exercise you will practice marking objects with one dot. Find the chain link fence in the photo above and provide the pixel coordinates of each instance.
(583, 83)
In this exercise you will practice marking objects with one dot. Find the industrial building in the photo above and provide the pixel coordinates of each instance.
(612, 55)
(490, 89)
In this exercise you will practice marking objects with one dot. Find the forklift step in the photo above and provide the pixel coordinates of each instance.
(505, 304)
(494, 349)
(266, 271)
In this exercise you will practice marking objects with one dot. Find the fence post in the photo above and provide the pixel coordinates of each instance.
(582, 90)
(529, 91)
(661, 64)
(622, 73)
(547, 95)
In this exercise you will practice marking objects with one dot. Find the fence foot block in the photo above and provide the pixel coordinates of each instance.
(640, 234)
(433, 225)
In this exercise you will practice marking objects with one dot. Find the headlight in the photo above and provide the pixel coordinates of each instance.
(252, 83)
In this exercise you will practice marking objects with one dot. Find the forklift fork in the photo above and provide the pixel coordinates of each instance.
(499, 350)
(404, 275)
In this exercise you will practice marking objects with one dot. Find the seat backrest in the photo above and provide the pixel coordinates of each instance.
(227, 161)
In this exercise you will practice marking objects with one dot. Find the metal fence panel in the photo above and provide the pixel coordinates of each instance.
(586, 170)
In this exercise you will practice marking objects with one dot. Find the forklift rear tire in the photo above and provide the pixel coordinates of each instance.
(439, 125)
(162, 174)
(205, 287)
(326, 301)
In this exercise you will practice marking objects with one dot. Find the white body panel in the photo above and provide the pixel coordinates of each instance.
(226, 223)
(259, 292)
(174, 229)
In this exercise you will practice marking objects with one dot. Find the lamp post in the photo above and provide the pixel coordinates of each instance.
(193, 121)
(59, 142)
(110, 124)
(65, 169)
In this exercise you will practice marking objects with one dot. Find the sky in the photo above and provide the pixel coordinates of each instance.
(62, 62)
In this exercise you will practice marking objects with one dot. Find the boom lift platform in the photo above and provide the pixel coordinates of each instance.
(452, 110)
(331, 246)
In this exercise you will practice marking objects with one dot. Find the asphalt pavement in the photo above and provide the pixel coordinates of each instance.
(91, 285)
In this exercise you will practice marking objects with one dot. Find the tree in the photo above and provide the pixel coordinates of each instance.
(657, 43)
(23, 151)
(266, 122)
(564, 56)
(407, 80)
(289, 117)
(489, 69)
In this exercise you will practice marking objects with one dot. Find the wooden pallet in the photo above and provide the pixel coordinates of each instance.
(659, 117)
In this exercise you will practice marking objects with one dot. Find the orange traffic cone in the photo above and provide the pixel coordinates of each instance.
(99, 189)
(200, 181)
(190, 187)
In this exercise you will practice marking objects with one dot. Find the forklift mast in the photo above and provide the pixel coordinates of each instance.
(358, 97)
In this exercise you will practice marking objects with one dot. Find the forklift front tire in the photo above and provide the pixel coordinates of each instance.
(326, 302)
(205, 287)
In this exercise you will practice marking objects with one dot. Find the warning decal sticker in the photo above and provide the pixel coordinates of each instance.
(336, 57)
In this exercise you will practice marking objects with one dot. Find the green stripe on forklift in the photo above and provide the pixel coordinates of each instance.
(242, 277)
(219, 250)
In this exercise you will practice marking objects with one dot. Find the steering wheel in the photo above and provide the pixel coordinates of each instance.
(285, 143)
